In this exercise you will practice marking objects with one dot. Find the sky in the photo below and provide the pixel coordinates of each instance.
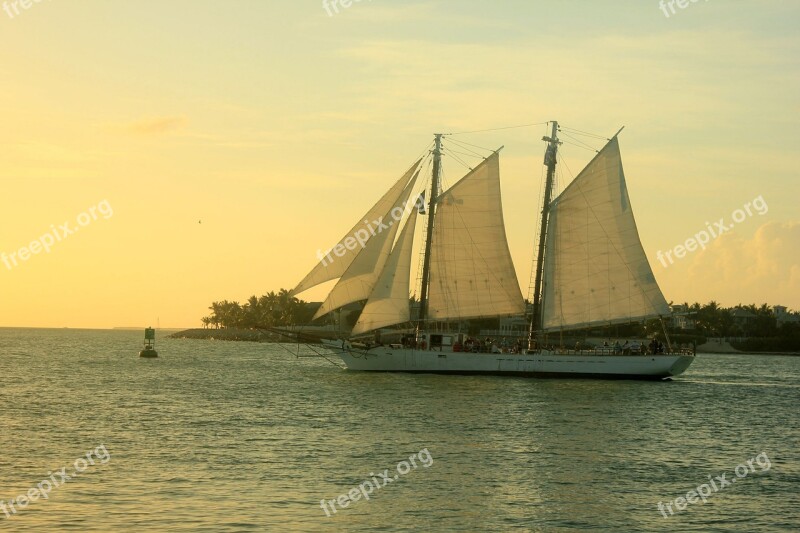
(206, 150)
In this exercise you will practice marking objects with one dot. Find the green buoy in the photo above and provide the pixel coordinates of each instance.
(149, 349)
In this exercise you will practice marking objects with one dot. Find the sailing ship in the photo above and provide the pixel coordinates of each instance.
(591, 271)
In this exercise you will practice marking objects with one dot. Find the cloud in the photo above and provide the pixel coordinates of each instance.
(735, 269)
(156, 125)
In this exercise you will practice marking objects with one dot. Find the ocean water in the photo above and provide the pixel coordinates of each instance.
(224, 436)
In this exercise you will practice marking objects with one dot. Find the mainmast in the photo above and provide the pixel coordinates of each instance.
(550, 161)
(426, 264)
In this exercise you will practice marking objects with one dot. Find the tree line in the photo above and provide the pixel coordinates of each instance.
(750, 320)
(264, 312)
(755, 327)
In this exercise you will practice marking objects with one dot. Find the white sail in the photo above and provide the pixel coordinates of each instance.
(595, 269)
(360, 277)
(333, 265)
(388, 303)
(472, 274)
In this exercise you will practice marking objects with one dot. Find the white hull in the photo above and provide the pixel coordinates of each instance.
(544, 364)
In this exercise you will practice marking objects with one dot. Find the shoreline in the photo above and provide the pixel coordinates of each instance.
(254, 335)
(789, 354)
(242, 335)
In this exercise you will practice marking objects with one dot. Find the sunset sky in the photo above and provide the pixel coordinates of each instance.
(232, 140)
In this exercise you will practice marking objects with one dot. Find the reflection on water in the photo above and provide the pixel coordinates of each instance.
(217, 436)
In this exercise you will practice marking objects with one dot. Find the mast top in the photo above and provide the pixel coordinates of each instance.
(553, 139)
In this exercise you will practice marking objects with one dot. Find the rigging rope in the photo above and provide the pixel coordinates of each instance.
(454, 156)
(464, 144)
(580, 146)
(497, 129)
(579, 132)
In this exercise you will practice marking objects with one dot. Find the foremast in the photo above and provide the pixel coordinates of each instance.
(550, 159)
(426, 261)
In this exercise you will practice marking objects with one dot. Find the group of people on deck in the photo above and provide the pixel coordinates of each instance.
(635, 348)
(474, 345)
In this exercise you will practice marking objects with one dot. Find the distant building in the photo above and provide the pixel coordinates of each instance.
(681, 317)
(514, 326)
(742, 319)
(783, 316)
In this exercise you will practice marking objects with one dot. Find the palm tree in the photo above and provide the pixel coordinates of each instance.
(252, 312)
(216, 314)
(269, 310)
